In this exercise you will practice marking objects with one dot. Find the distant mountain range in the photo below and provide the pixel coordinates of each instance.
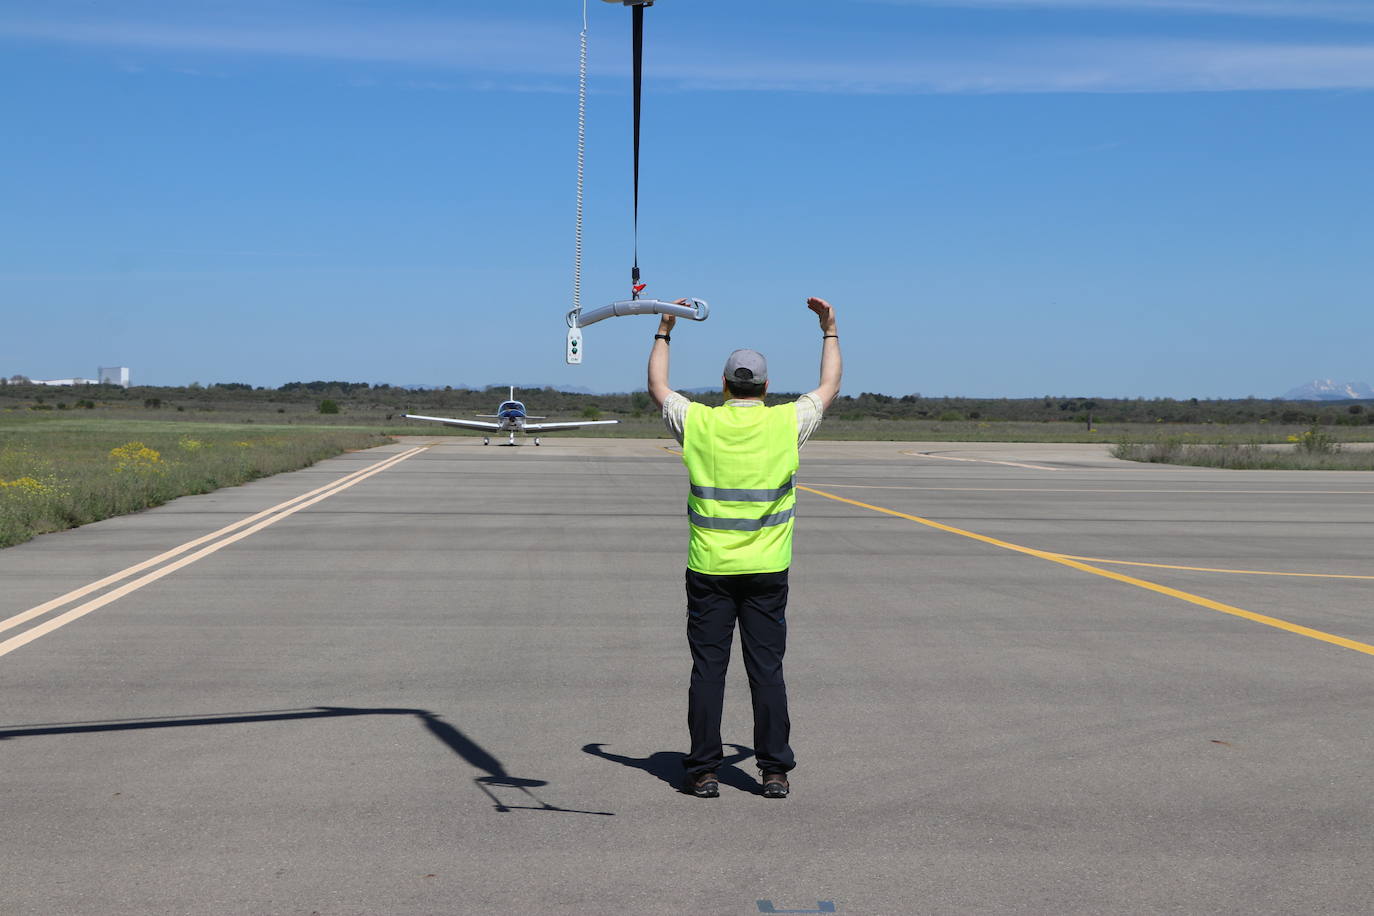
(1325, 389)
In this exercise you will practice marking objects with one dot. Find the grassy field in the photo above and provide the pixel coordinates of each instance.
(65, 471)
(864, 416)
(63, 468)
(1312, 449)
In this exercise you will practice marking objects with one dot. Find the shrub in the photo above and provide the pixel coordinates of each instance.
(328, 406)
(1315, 441)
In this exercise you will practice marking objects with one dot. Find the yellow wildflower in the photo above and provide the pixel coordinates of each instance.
(25, 486)
(135, 456)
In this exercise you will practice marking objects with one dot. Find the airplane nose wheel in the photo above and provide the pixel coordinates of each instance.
(486, 440)
(536, 440)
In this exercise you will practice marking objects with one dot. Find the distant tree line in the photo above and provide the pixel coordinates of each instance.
(353, 396)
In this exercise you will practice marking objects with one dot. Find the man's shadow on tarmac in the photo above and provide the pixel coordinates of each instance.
(457, 742)
(667, 766)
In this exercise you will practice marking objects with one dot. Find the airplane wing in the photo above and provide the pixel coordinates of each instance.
(545, 427)
(465, 424)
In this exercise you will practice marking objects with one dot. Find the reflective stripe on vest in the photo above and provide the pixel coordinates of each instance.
(743, 496)
(740, 524)
(741, 458)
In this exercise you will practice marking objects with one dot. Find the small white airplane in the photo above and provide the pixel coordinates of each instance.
(511, 418)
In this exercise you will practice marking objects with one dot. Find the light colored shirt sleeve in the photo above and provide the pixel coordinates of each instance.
(675, 414)
(809, 413)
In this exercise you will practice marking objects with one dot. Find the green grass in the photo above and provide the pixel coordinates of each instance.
(1313, 449)
(867, 417)
(66, 471)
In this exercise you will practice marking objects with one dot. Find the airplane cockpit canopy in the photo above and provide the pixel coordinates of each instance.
(510, 406)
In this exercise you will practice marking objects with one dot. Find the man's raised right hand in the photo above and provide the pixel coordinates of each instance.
(824, 311)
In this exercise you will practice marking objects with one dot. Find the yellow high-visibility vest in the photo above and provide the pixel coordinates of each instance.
(742, 461)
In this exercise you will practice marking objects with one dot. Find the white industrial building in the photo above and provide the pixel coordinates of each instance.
(63, 381)
(109, 375)
(114, 375)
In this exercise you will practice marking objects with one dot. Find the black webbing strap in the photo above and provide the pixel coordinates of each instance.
(637, 39)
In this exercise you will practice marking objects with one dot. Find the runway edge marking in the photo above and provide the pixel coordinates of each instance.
(1275, 622)
(269, 517)
(45, 607)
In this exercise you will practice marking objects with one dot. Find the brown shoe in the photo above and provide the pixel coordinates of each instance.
(704, 785)
(775, 785)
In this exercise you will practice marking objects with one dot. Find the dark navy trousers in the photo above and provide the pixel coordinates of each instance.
(759, 603)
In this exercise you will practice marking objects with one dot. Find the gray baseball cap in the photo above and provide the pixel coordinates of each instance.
(746, 366)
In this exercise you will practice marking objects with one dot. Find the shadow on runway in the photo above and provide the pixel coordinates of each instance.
(667, 766)
(457, 742)
(496, 776)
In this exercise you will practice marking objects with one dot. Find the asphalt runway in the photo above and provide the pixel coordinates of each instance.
(453, 680)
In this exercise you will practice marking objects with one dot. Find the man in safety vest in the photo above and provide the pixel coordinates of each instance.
(742, 459)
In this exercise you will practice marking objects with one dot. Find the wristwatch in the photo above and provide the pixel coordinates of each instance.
(663, 337)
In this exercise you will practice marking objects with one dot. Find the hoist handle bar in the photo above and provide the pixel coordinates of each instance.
(697, 311)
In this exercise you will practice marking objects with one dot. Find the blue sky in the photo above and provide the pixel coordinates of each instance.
(1115, 198)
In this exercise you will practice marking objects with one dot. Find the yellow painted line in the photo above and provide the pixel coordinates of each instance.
(1234, 572)
(1010, 464)
(864, 486)
(300, 502)
(1275, 622)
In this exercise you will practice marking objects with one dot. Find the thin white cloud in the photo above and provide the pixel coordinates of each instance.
(488, 46)
(1060, 66)
(495, 56)
(1323, 10)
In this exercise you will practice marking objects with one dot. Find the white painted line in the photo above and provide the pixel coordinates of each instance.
(1010, 464)
(71, 596)
(300, 502)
